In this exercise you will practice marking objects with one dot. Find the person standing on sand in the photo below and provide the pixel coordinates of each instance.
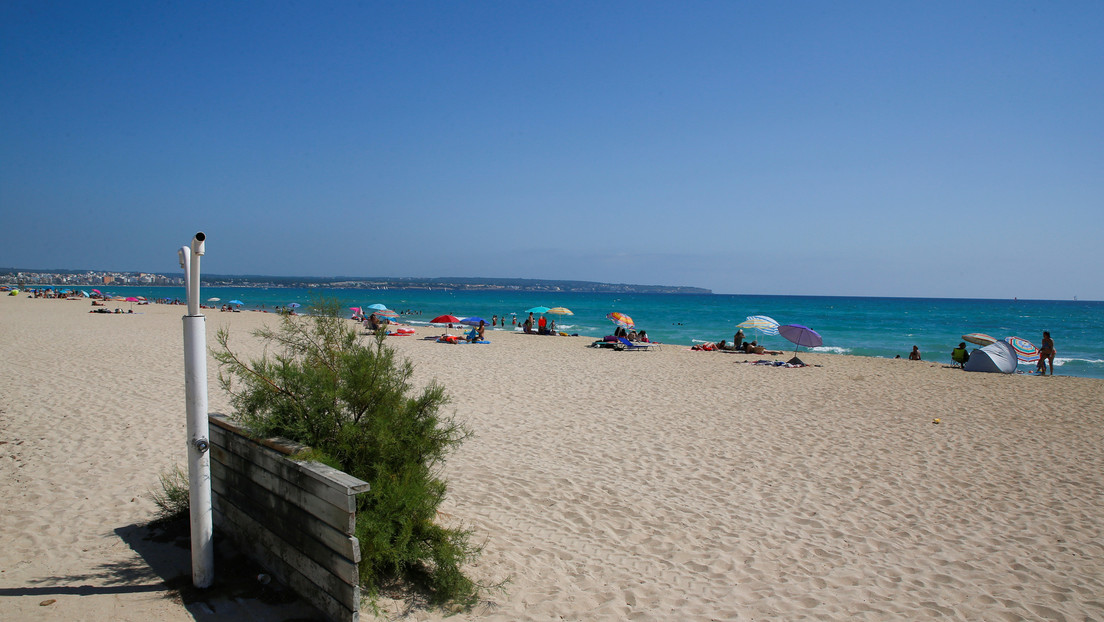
(915, 354)
(1046, 353)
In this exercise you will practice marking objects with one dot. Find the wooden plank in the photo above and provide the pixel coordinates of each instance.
(259, 538)
(331, 513)
(256, 461)
(345, 608)
(239, 485)
(306, 475)
(294, 520)
(326, 559)
(337, 540)
(323, 473)
(339, 553)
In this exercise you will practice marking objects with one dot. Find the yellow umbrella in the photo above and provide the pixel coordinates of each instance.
(561, 311)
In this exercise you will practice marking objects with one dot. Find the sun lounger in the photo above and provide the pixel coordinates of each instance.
(643, 345)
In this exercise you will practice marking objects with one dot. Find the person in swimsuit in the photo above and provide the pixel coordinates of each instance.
(915, 354)
(1046, 353)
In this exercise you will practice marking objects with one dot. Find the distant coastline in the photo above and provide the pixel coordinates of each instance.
(45, 278)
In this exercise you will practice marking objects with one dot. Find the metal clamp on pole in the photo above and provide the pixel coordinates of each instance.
(201, 445)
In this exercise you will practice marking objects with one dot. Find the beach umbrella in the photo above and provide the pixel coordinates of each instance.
(96, 291)
(473, 321)
(357, 309)
(389, 315)
(761, 323)
(980, 339)
(214, 300)
(84, 293)
(236, 302)
(294, 305)
(445, 319)
(621, 320)
(131, 299)
(537, 310)
(800, 336)
(561, 311)
(1026, 351)
(378, 307)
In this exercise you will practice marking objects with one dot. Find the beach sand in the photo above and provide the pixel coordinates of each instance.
(669, 485)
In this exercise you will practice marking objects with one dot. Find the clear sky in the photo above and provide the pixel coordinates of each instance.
(947, 149)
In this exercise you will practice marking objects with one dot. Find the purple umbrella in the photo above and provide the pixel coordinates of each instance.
(801, 336)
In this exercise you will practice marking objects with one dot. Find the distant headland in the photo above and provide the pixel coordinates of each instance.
(46, 278)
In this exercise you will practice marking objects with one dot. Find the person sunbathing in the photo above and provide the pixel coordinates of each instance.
(754, 348)
(476, 334)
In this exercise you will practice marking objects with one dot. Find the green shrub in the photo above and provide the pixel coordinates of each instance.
(172, 500)
(348, 400)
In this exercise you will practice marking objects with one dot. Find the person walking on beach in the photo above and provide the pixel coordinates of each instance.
(1046, 353)
(915, 354)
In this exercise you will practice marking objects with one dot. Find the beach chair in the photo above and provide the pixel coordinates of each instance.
(628, 345)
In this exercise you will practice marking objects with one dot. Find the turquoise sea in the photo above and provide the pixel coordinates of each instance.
(882, 327)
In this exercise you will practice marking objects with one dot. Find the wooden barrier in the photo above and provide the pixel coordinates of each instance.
(297, 519)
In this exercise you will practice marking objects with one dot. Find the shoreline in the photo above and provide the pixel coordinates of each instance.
(606, 485)
(876, 327)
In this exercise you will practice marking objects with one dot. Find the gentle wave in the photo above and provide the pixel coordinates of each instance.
(1058, 361)
(831, 349)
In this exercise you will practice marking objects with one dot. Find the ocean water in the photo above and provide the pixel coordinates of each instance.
(881, 327)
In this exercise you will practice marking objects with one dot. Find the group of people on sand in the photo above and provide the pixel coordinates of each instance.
(543, 325)
(476, 335)
(738, 345)
(1046, 355)
(631, 334)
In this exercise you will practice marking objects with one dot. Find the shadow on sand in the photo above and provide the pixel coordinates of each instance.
(242, 590)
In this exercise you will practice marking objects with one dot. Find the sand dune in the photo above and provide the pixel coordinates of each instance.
(607, 485)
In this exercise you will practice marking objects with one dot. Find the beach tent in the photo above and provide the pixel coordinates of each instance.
(997, 358)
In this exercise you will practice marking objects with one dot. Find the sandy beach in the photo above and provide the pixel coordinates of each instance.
(669, 485)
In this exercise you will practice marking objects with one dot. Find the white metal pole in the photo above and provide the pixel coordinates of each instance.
(195, 390)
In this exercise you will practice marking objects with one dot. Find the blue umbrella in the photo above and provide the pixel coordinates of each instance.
(537, 310)
(378, 307)
(473, 321)
(236, 302)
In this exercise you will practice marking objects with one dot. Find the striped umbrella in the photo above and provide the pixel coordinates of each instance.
(561, 311)
(1025, 350)
(761, 323)
(980, 339)
(621, 320)
(389, 315)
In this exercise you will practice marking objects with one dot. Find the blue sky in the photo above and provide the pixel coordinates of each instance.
(854, 148)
